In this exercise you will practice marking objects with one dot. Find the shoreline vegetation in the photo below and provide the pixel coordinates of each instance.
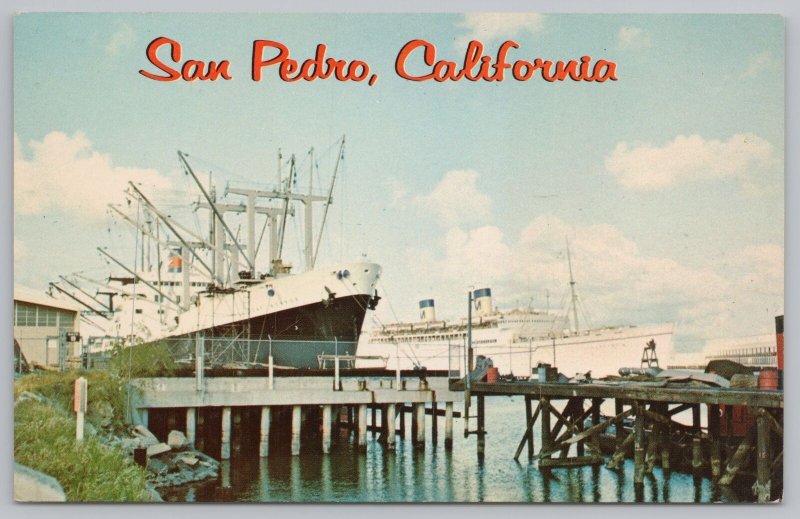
(99, 469)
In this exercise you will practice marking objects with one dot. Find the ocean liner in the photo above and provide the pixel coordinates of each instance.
(517, 341)
(209, 286)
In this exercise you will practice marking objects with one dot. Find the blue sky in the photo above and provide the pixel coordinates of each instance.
(668, 182)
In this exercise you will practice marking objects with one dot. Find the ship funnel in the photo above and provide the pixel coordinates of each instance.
(427, 312)
(483, 301)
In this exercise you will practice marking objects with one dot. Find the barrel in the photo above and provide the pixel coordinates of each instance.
(768, 379)
(491, 375)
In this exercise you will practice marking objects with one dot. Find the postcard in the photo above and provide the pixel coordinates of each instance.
(414, 258)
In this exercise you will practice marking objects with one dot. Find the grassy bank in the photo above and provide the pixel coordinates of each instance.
(44, 432)
(44, 439)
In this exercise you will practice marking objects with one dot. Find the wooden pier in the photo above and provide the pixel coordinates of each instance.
(652, 408)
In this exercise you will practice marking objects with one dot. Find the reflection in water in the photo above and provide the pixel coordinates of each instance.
(406, 474)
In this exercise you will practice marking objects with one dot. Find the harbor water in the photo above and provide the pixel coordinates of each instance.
(412, 474)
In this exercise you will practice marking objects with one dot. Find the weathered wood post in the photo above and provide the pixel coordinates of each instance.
(697, 446)
(547, 439)
(419, 415)
(434, 422)
(596, 402)
(390, 425)
(666, 438)
(620, 430)
(374, 410)
(763, 462)
(481, 428)
(529, 431)
(296, 419)
(362, 426)
(266, 418)
(191, 427)
(448, 425)
(713, 433)
(578, 408)
(652, 441)
(402, 426)
(326, 429)
(225, 440)
(638, 443)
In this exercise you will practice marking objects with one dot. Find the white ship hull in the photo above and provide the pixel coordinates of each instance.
(601, 351)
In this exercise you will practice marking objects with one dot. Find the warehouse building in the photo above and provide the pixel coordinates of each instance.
(38, 321)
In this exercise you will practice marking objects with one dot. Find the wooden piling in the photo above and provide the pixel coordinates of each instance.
(191, 425)
(225, 437)
(638, 444)
(697, 455)
(448, 425)
(713, 434)
(578, 428)
(390, 431)
(361, 437)
(296, 418)
(434, 423)
(263, 446)
(529, 427)
(326, 429)
(547, 439)
(402, 426)
(620, 432)
(763, 461)
(666, 440)
(414, 423)
(652, 445)
(595, 438)
(419, 417)
(481, 426)
(374, 411)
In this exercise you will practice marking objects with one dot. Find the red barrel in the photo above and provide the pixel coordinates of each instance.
(491, 375)
(768, 379)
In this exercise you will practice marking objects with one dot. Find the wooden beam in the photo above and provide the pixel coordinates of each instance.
(599, 427)
(739, 457)
(619, 454)
(527, 436)
(576, 461)
(631, 391)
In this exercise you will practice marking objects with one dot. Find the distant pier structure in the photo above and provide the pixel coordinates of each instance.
(743, 437)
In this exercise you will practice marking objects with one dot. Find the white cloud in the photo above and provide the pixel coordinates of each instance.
(645, 167)
(65, 174)
(456, 199)
(633, 38)
(123, 38)
(617, 283)
(762, 62)
(488, 27)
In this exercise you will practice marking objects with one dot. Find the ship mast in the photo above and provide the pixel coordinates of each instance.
(574, 303)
